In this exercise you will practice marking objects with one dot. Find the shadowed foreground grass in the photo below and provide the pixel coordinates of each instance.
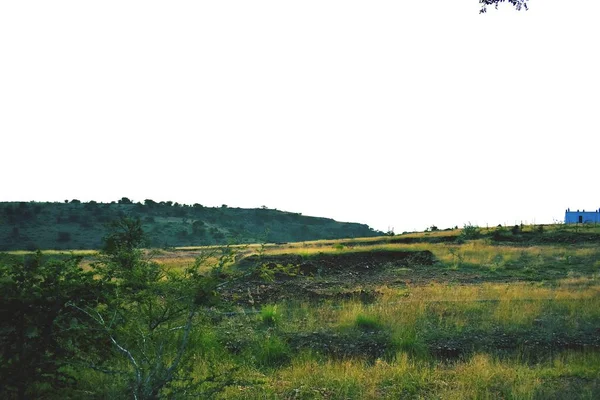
(573, 376)
(518, 340)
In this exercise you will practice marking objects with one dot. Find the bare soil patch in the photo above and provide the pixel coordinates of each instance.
(344, 276)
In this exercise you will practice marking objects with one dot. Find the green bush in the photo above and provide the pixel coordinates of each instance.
(368, 322)
(469, 232)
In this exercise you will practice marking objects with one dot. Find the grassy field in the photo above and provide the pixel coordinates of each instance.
(414, 316)
(375, 318)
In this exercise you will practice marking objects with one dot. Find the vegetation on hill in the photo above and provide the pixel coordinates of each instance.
(77, 225)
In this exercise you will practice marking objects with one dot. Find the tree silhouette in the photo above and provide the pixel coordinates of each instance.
(518, 4)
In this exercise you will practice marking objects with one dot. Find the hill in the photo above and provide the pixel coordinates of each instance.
(78, 225)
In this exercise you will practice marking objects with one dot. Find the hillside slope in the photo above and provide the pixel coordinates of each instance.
(77, 225)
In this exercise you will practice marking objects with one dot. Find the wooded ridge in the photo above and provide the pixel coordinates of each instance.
(78, 225)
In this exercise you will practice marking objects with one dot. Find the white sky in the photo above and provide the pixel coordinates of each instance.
(391, 113)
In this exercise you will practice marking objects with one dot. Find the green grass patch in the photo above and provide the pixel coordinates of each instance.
(368, 322)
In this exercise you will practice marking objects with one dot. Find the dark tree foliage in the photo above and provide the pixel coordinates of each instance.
(122, 252)
(198, 227)
(125, 234)
(518, 4)
(21, 213)
(63, 237)
(40, 333)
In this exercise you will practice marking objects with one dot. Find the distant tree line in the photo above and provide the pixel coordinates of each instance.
(81, 225)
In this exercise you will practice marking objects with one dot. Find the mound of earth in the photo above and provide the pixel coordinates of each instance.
(321, 277)
(331, 263)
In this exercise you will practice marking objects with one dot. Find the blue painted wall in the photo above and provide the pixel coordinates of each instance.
(586, 217)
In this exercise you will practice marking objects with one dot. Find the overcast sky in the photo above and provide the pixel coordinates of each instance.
(391, 113)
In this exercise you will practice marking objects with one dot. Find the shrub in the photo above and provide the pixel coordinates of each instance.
(500, 234)
(198, 227)
(41, 333)
(469, 232)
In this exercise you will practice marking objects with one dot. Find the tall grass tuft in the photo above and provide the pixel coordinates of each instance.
(272, 352)
(269, 315)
